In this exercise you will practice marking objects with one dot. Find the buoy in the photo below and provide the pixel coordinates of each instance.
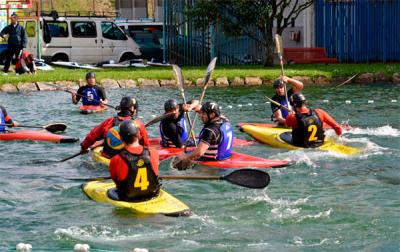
(230, 106)
(249, 104)
(325, 101)
(140, 250)
(240, 105)
(81, 247)
(22, 247)
(348, 101)
(370, 101)
(394, 100)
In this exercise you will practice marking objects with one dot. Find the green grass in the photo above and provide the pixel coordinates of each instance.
(193, 73)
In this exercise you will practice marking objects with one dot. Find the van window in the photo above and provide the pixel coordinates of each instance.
(83, 29)
(58, 29)
(111, 31)
(30, 28)
(146, 34)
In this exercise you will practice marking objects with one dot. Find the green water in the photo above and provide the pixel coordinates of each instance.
(323, 202)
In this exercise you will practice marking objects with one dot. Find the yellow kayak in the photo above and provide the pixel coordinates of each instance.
(163, 203)
(272, 137)
(97, 157)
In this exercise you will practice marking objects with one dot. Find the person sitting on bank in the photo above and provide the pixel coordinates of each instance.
(5, 120)
(174, 129)
(135, 169)
(215, 139)
(279, 114)
(91, 93)
(307, 124)
(109, 129)
(25, 63)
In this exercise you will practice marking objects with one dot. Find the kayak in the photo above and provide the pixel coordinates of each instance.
(237, 142)
(274, 125)
(280, 138)
(163, 203)
(236, 161)
(89, 109)
(32, 135)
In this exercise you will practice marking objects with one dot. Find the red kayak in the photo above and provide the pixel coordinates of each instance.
(236, 142)
(274, 125)
(89, 109)
(31, 135)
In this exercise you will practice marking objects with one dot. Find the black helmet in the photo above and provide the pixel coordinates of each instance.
(298, 99)
(170, 105)
(278, 83)
(127, 102)
(90, 75)
(209, 107)
(127, 130)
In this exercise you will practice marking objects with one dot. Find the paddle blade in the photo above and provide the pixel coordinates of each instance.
(159, 118)
(55, 127)
(179, 76)
(250, 178)
(278, 44)
(210, 69)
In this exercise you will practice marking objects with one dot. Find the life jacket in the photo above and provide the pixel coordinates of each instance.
(141, 183)
(2, 122)
(166, 141)
(223, 148)
(90, 96)
(24, 56)
(309, 133)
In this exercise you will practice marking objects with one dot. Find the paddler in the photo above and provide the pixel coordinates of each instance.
(174, 129)
(215, 139)
(307, 124)
(108, 129)
(135, 169)
(279, 114)
(5, 119)
(91, 94)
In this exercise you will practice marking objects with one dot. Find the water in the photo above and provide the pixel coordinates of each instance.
(322, 202)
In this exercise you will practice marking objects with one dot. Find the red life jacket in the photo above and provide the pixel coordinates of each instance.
(24, 56)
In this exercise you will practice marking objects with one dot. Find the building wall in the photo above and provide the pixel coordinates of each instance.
(137, 9)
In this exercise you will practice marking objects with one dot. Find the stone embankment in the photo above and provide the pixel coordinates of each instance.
(218, 82)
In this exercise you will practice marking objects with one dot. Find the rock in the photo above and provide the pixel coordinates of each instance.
(127, 83)
(168, 83)
(304, 79)
(188, 83)
(27, 86)
(381, 77)
(46, 86)
(222, 82)
(339, 80)
(268, 82)
(237, 81)
(148, 83)
(63, 85)
(10, 88)
(109, 84)
(82, 82)
(252, 81)
(396, 78)
(199, 82)
(365, 78)
(322, 80)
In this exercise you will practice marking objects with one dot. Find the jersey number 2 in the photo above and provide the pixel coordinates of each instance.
(313, 130)
(141, 179)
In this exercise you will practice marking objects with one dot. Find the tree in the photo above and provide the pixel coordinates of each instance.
(252, 18)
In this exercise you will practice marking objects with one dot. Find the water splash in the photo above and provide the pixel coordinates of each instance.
(386, 130)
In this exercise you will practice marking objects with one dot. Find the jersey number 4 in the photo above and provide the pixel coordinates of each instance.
(141, 179)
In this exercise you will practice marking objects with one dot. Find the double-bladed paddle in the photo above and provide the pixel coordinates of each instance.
(279, 51)
(53, 127)
(279, 105)
(250, 178)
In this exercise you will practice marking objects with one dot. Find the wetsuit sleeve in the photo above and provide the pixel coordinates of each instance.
(79, 92)
(207, 136)
(118, 168)
(154, 160)
(291, 121)
(7, 118)
(143, 134)
(101, 92)
(326, 118)
(97, 133)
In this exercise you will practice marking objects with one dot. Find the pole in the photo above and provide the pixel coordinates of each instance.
(39, 49)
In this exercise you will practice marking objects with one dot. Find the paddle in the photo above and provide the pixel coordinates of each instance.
(347, 81)
(210, 69)
(54, 127)
(279, 51)
(250, 178)
(102, 104)
(279, 105)
(180, 81)
(155, 120)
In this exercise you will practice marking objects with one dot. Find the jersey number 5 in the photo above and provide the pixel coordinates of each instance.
(141, 179)
(313, 130)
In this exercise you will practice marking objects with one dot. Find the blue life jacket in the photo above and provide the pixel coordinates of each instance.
(90, 96)
(166, 141)
(2, 122)
(223, 149)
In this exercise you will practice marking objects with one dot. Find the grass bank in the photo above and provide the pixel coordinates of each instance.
(193, 73)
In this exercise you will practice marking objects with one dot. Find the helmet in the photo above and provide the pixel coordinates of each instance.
(128, 129)
(127, 102)
(170, 105)
(298, 99)
(209, 107)
(277, 83)
(90, 75)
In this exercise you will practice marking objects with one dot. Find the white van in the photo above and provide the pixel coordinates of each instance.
(80, 39)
